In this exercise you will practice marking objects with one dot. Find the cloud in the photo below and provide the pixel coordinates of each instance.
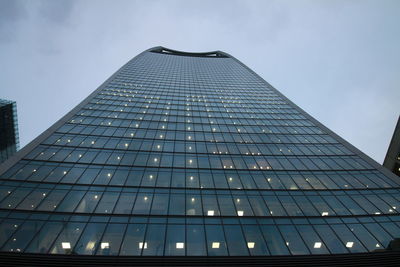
(11, 13)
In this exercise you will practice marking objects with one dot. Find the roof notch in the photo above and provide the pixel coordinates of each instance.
(163, 50)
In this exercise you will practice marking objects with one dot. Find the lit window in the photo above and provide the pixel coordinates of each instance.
(210, 213)
(325, 213)
(142, 245)
(317, 245)
(104, 245)
(349, 244)
(66, 245)
(240, 212)
(180, 245)
(251, 244)
(215, 245)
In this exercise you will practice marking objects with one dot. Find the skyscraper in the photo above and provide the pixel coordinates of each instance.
(9, 142)
(193, 154)
(392, 159)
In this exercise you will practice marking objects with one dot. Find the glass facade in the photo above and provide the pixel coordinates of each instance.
(9, 141)
(392, 159)
(185, 154)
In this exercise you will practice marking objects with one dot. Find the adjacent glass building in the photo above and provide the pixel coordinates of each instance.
(392, 159)
(193, 154)
(9, 142)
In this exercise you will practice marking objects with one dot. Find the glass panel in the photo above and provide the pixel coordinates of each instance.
(336, 205)
(111, 241)
(90, 238)
(125, 203)
(89, 202)
(259, 207)
(321, 206)
(195, 237)
(382, 234)
(290, 206)
(293, 240)
(216, 245)
(365, 237)
(275, 243)
(330, 239)
(70, 201)
(348, 239)
(7, 228)
(351, 205)
(107, 202)
(193, 205)
(160, 204)
(133, 243)
(210, 205)
(177, 204)
(175, 244)
(14, 198)
(44, 239)
(142, 204)
(154, 241)
(66, 241)
(242, 206)
(226, 205)
(312, 240)
(254, 240)
(274, 206)
(52, 200)
(33, 199)
(306, 206)
(21, 238)
(237, 246)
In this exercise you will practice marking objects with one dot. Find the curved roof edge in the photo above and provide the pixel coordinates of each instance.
(164, 50)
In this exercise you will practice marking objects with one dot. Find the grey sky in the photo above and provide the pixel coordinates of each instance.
(338, 60)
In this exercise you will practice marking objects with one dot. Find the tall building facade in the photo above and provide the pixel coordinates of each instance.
(193, 154)
(392, 159)
(9, 141)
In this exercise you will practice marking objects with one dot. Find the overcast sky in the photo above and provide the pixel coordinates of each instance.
(338, 60)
